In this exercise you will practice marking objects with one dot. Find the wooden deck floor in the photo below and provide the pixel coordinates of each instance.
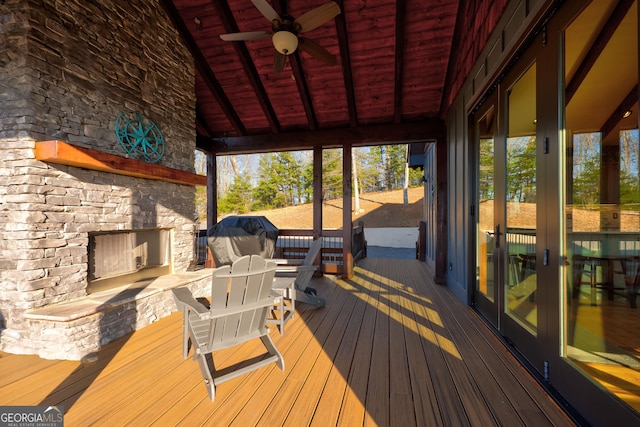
(388, 349)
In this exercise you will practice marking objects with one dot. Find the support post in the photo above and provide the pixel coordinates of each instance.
(317, 197)
(347, 224)
(212, 199)
(441, 209)
(212, 190)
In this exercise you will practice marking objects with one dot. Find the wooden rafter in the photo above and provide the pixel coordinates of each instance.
(230, 25)
(303, 90)
(345, 59)
(597, 47)
(280, 6)
(401, 8)
(617, 115)
(203, 67)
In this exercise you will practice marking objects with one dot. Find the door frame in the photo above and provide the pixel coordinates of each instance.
(530, 348)
(487, 308)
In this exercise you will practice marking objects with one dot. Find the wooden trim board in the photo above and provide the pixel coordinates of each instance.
(63, 153)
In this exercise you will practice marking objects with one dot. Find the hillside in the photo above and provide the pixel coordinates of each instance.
(383, 209)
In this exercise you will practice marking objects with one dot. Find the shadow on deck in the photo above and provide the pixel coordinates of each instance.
(390, 348)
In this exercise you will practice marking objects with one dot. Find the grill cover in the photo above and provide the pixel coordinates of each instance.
(237, 236)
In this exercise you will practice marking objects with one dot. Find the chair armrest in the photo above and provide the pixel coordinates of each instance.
(275, 295)
(290, 270)
(283, 261)
(184, 298)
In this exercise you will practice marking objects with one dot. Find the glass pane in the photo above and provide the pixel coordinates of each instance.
(485, 226)
(602, 200)
(520, 197)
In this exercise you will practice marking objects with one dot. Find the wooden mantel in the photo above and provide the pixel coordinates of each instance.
(63, 153)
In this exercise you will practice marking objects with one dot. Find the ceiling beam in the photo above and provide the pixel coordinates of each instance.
(596, 49)
(345, 59)
(401, 11)
(618, 113)
(405, 133)
(203, 67)
(231, 26)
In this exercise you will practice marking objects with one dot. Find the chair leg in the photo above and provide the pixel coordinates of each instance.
(185, 336)
(632, 291)
(292, 298)
(271, 348)
(277, 313)
(594, 272)
(577, 278)
(282, 315)
(205, 361)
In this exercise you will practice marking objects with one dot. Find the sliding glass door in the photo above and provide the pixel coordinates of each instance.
(601, 212)
(557, 208)
(506, 283)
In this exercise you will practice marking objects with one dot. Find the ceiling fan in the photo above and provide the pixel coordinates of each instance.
(285, 32)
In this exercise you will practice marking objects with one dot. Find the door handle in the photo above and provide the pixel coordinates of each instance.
(497, 234)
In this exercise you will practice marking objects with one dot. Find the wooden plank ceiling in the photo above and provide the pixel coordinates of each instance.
(388, 84)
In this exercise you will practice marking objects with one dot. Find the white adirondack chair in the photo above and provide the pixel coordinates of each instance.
(241, 298)
(303, 271)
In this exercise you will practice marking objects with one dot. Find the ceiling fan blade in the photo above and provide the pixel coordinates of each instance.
(249, 35)
(278, 61)
(318, 16)
(317, 51)
(266, 10)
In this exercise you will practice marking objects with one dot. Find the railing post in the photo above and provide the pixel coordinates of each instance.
(422, 241)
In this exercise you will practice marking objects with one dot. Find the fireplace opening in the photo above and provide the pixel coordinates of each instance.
(127, 257)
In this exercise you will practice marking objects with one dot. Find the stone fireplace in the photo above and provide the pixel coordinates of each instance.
(96, 258)
(68, 191)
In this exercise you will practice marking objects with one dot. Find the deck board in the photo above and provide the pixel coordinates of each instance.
(377, 398)
(389, 348)
(531, 402)
(353, 410)
(436, 346)
(401, 405)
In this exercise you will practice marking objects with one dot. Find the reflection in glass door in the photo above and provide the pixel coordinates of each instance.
(487, 276)
(601, 321)
(520, 198)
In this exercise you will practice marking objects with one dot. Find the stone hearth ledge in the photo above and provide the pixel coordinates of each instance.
(106, 300)
(80, 327)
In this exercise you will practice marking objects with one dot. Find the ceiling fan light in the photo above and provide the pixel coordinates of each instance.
(285, 42)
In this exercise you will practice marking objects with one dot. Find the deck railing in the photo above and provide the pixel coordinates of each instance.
(294, 244)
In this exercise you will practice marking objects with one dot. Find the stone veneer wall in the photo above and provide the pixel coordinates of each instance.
(68, 68)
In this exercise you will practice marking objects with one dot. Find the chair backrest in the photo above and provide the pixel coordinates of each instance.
(304, 273)
(314, 250)
(240, 299)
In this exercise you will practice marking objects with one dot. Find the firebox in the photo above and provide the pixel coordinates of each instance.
(129, 257)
